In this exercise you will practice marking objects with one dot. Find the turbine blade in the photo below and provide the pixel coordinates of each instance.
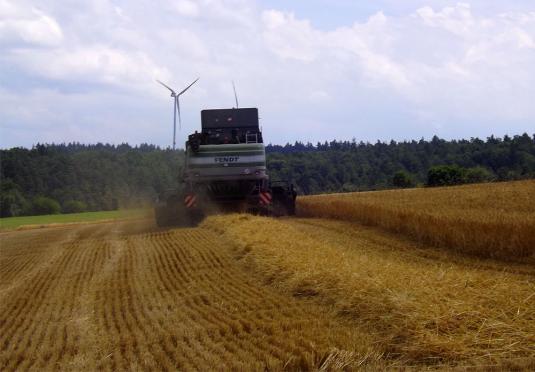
(189, 86)
(235, 95)
(172, 91)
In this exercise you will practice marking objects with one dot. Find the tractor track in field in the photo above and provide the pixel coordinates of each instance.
(297, 294)
(126, 296)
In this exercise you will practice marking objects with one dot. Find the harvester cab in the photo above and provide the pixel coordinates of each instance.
(228, 126)
(225, 170)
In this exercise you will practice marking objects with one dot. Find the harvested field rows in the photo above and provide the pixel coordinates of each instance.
(164, 300)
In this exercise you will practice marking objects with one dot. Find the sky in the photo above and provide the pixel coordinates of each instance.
(85, 71)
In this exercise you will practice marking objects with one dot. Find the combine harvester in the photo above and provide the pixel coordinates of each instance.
(225, 171)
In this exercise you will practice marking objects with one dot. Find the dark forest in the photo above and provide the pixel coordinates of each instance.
(63, 178)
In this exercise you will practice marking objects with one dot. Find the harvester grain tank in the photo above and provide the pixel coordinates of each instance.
(225, 170)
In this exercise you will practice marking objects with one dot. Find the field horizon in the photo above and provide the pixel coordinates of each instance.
(50, 220)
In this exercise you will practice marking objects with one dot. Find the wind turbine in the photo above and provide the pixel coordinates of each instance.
(176, 97)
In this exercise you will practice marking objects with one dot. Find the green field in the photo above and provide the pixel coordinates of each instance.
(14, 222)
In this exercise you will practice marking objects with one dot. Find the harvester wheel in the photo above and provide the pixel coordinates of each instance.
(194, 218)
(283, 206)
(174, 214)
(161, 213)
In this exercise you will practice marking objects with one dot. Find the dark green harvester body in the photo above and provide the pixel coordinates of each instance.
(225, 170)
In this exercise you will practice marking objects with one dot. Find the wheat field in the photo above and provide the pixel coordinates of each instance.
(494, 220)
(242, 292)
(420, 305)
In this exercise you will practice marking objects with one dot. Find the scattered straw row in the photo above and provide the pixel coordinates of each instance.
(419, 305)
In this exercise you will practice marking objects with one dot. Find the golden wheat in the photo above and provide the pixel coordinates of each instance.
(417, 304)
(489, 220)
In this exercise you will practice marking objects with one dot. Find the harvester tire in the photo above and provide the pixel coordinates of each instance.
(162, 216)
(176, 215)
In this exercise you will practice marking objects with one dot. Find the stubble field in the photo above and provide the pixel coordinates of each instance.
(251, 293)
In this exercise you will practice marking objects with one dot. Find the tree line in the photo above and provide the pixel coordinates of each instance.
(360, 166)
(65, 178)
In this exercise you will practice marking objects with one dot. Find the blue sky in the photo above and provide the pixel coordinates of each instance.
(329, 14)
(317, 70)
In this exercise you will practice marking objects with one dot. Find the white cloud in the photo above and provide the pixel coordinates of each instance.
(187, 8)
(291, 38)
(457, 20)
(50, 115)
(91, 64)
(186, 42)
(451, 71)
(27, 25)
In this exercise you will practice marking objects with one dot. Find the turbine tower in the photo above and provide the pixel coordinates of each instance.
(176, 99)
